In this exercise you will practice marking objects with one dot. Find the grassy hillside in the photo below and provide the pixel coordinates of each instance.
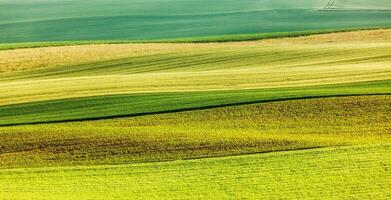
(350, 172)
(287, 118)
(286, 125)
(111, 106)
(54, 86)
(64, 20)
(195, 39)
(70, 55)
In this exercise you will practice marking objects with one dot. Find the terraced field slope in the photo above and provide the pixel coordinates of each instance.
(294, 118)
(70, 20)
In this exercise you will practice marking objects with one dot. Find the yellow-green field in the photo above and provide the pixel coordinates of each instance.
(288, 118)
(234, 130)
(359, 172)
(194, 67)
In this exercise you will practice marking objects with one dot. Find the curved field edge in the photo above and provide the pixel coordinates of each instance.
(71, 56)
(112, 106)
(210, 39)
(360, 172)
(197, 67)
(234, 130)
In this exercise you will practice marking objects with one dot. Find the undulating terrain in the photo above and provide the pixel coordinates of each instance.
(261, 115)
(195, 99)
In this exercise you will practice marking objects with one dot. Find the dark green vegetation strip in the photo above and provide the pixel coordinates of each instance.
(234, 130)
(100, 107)
(209, 39)
(359, 172)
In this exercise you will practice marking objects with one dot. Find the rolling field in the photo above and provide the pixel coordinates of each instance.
(73, 20)
(233, 130)
(288, 118)
(360, 172)
(175, 77)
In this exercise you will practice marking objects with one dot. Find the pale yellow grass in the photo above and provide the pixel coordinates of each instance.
(380, 35)
(308, 72)
(33, 58)
(258, 65)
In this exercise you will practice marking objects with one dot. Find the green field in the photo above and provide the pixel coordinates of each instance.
(189, 76)
(360, 172)
(233, 130)
(304, 117)
(73, 20)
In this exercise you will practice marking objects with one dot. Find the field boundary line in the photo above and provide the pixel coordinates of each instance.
(191, 109)
(185, 40)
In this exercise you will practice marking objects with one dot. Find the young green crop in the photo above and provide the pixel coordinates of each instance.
(174, 77)
(61, 20)
(210, 39)
(358, 172)
(286, 125)
(324, 100)
(112, 106)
